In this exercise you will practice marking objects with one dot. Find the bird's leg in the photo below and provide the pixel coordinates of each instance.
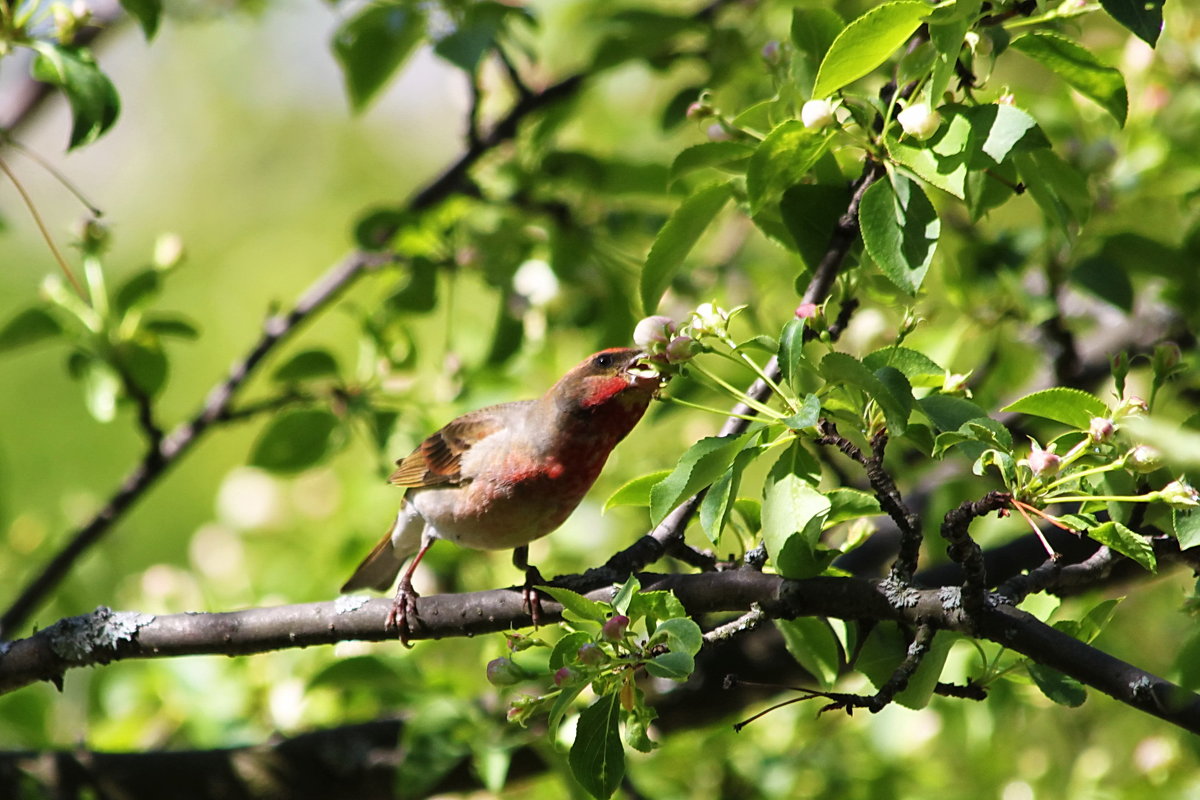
(404, 605)
(530, 599)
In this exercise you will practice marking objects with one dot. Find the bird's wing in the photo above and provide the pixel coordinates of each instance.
(438, 461)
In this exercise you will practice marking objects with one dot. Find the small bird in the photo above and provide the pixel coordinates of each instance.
(507, 474)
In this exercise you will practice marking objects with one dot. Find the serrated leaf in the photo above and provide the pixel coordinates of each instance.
(1073, 407)
(1064, 690)
(947, 29)
(915, 365)
(866, 43)
(562, 704)
(625, 594)
(1077, 66)
(306, 365)
(373, 44)
(673, 665)
(1186, 522)
(782, 160)
(894, 396)
(577, 604)
(1142, 17)
(676, 239)
(682, 634)
(949, 413)
(91, 95)
(1121, 539)
(791, 352)
(846, 504)
(814, 646)
(900, 230)
(637, 491)
(702, 464)
(597, 759)
(29, 327)
(808, 415)
(655, 606)
(295, 440)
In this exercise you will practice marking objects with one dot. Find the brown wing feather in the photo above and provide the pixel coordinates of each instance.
(438, 460)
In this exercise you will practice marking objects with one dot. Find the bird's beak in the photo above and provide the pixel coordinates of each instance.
(640, 371)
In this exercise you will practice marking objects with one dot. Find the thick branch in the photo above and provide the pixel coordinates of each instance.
(106, 636)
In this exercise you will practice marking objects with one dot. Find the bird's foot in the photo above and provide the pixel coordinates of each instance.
(403, 612)
(531, 599)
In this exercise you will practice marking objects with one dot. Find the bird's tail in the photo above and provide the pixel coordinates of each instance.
(381, 566)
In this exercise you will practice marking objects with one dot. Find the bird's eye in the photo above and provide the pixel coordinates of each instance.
(604, 360)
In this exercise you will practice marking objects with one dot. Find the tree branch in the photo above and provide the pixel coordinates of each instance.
(105, 636)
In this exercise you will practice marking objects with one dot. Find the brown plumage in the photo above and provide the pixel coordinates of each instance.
(502, 476)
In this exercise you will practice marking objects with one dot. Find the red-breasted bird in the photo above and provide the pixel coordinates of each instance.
(507, 474)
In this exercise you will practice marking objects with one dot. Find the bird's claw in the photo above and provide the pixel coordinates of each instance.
(531, 599)
(403, 612)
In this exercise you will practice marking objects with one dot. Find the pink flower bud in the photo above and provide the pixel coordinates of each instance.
(1044, 463)
(806, 310)
(770, 51)
(681, 348)
(717, 133)
(1101, 429)
(614, 628)
(564, 676)
(699, 110)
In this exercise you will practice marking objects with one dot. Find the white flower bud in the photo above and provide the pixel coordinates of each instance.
(919, 121)
(1177, 494)
(709, 319)
(653, 333)
(817, 114)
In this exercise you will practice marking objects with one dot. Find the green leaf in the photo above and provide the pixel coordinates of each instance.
(138, 290)
(792, 361)
(597, 759)
(473, 36)
(813, 32)
(1186, 522)
(29, 327)
(916, 366)
(1072, 407)
(560, 707)
(810, 214)
(949, 413)
(782, 160)
(145, 363)
(702, 464)
(900, 230)
(846, 504)
(1105, 278)
(637, 491)
(814, 646)
(578, 605)
(1142, 17)
(566, 649)
(884, 650)
(419, 294)
(1126, 542)
(655, 606)
(676, 239)
(867, 42)
(947, 28)
(306, 365)
(718, 501)
(625, 594)
(893, 395)
(295, 440)
(730, 156)
(808, 415)
(170, 325)
(682, 635)
(373, 44)
(792, 516)
(146, 12)
(1077, 66)
(1056, 186)
(672, 665)
(1058, 687)
(93, 99)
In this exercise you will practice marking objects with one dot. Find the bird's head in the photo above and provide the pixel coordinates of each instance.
(613, 377)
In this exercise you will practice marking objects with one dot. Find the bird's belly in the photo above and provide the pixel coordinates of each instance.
(491, 516)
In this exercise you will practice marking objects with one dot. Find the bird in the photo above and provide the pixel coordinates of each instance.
(505, 475)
